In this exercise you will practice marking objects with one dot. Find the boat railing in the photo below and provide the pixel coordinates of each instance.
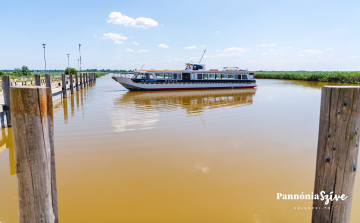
(123, 75)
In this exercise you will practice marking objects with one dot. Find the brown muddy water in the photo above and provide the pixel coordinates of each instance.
(185, 156)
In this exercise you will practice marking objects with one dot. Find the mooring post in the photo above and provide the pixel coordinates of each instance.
(81, 80)
(37, 80)
(337, 153)
(85, 80)
(76, 82)
(71, 84)
(47, 80)
(5, 83)
(33, 135)
(63, 77)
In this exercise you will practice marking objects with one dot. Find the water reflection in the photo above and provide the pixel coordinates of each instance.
(194, 102)
(6, 142)
(129, 105)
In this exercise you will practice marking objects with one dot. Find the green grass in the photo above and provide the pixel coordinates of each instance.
(337, 77)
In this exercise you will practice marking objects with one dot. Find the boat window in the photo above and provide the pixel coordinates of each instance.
(139, 76)
(168, 76)
(159, 76)
(238, 77)
(205, 76)
(199, 76)
(217, 76)
(148, 76)
(244, 77)
(175, 76)
(231, 76)
(197, 67)
(179, 76)
(186, 76)
(211, 76)
(224, 76)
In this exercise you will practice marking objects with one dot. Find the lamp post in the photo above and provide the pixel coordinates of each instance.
(78, 64)
(80, 56)
(68, 63)
(44, 55)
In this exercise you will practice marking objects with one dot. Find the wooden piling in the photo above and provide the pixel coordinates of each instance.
(47, 80)
(81, 80)
(6, 93)
(337, 154)
(76, 82)
(63, 77)
(37, 80)
(71, 84)
(33, 131)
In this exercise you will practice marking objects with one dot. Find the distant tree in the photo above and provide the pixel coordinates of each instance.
(2, 73)
(17, 72)
(25, 70)
(70, 70)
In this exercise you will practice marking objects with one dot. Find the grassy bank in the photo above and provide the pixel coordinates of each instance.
(338, 77)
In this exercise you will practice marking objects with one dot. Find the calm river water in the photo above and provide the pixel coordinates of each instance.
(186, 156)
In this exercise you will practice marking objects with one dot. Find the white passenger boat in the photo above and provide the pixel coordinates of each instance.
(194, 77)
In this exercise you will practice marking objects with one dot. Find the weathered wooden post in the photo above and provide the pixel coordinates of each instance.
(33, 132)
(5, 84)
(71, 84)
(337, 154)
(37, 80)
(63, 77)
(85, 79)
(81, 80)
(76, 82)
(47, 80)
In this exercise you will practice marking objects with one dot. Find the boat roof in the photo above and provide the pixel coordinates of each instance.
(201, 71)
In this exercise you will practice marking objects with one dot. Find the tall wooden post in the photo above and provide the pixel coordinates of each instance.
(47, 80)
(76, 82)
(33, 134)
(37, 80)
(5, 83)
(337, 154)
(63, 77)
(71, 84)
(81, 80)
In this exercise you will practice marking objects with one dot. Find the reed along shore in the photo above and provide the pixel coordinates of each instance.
(351, 77)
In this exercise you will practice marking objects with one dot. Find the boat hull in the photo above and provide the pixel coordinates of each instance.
(129, 84)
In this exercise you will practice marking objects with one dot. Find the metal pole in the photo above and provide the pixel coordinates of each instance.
(44, 56)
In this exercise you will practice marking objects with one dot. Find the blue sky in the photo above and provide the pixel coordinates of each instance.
(258, 35)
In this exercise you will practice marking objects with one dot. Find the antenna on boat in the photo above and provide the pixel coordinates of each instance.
(142, 67)
(202, 56)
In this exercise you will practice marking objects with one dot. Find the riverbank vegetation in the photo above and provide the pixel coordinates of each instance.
(352, 77)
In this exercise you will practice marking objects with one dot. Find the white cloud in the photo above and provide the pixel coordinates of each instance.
(190, 47)
(217, 31)
(163, 46)
(115, 37)
(312, 52)
(289, 47)
(235, 49)
(129, 50)
(143, 51)
(355, 57)
(268, 53)
(272, 44)
(330, 49)
(229, 52)
(134, 43)
(141, 22)
(301, 55)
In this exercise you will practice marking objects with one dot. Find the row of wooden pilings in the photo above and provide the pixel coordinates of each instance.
(33, 133)
(81, 80)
